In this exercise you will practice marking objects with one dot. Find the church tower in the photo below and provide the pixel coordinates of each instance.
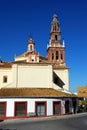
(56, 50)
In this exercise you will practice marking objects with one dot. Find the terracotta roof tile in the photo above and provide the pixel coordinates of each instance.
(82, 91)
(57, 66)
(6, 65)
(32, 92)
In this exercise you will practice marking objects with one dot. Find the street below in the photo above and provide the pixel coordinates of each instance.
(73, 122)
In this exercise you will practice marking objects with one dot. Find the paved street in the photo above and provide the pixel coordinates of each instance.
(68, 123)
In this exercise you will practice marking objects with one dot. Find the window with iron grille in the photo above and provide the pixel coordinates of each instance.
(2, 109)
(20, 108)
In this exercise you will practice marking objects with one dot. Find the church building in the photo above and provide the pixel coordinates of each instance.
(34, 85)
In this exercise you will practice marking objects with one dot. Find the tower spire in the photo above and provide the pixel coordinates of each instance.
(56, 51)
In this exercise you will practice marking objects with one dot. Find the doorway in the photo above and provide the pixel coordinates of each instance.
(40, 108)
(57, 108)
(67, 107)
(2, 109)
(20, 108)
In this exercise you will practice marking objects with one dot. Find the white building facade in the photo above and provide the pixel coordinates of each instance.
(33, 75)
(33, 107)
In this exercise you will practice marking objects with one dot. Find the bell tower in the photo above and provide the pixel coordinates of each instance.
(31, 44)
(56, 50)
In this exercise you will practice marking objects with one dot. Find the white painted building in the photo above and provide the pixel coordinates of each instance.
(25, 102)
(32, 106)
(44, 79)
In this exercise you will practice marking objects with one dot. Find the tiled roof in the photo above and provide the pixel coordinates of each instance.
(82, 91)
(32, 92)
(57, 66)
(5, 65)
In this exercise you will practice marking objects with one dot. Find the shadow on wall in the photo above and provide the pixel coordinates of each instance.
(57, 80)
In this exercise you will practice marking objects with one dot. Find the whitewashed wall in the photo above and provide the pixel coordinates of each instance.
(31, 105)
(33, 76)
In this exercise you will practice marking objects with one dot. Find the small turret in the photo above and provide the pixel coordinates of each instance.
(31, 44)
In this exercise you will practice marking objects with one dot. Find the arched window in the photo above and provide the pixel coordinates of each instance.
(52, 56)
(31, 47)
(56, 37)
(57, 55)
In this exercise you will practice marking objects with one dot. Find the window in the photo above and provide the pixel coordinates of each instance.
(4, 79)
(56, 37)
(40, 108)
(56, 55)
(2, 109)
(31, 47)
(20, 108)
(52, 56)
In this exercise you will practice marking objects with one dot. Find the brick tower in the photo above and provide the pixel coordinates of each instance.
(56, 50)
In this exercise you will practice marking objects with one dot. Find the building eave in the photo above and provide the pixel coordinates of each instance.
(33, 92)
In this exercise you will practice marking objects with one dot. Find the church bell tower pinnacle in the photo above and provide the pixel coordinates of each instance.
(56, 50)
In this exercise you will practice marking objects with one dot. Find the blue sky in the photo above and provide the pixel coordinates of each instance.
(21, 18)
